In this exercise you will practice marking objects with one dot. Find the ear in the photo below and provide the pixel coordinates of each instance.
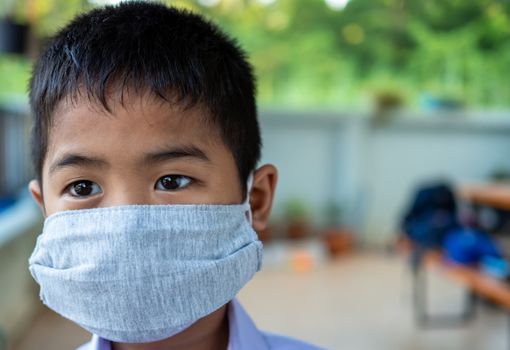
(261, 195)
(36, 192)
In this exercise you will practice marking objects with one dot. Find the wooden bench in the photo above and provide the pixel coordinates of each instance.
(477, 284)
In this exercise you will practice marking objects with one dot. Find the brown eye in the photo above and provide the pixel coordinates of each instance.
(83, 188)
(172, 182)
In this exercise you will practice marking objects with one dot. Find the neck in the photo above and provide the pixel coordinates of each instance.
(209, 333)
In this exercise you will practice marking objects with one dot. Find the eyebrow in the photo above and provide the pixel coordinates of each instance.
(172, 153)
(178, 152)
(74, 160)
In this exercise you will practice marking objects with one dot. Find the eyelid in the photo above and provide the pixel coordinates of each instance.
(189, 179)
(68, 189)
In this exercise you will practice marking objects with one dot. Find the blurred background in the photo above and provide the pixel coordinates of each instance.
(389, 122)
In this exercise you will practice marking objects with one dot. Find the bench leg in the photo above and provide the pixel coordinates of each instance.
(425, 320)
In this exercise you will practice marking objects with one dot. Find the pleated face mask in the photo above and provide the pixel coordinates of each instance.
(142, 273)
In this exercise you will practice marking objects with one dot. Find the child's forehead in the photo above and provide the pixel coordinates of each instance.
(141, 120)
(127, 99)
(134, 109)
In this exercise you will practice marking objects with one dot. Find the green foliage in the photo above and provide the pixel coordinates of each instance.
(14, 74)
(333, 214)
(44, 16)
(296, 209)
(306, 54)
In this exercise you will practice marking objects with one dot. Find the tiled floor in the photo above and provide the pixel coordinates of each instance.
(359, 302)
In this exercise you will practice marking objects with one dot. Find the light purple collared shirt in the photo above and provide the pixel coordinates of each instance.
(243, 335)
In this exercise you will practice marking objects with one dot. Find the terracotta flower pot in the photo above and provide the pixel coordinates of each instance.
(297, 229)
(338, 241)
(266, 234)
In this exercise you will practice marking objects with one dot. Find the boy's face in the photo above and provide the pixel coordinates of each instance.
(145, 152)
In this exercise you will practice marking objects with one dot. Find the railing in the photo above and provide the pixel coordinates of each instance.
(15, 168)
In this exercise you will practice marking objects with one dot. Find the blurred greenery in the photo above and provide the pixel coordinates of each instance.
(307, 54)
(14, 73)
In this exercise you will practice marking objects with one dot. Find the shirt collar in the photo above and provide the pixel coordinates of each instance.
(243, 334)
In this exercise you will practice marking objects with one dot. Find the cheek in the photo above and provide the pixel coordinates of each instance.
(228, 190)
(49, 198)
(54, 201)
(224, 180)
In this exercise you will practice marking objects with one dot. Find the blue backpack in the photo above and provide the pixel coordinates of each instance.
(431, 215)
(469, 246)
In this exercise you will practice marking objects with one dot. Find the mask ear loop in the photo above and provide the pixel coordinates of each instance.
(246, 201)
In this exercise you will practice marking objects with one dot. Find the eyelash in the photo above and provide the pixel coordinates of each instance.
(71, 188)
(173, 177)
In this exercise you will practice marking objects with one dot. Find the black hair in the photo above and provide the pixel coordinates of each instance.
(149, 47)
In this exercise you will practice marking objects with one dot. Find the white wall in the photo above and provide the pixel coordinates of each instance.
(303, 153)
(374, 168)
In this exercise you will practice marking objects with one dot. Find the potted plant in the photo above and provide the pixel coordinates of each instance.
(266, 234)
(386, 102)
(337, 238)
(297, 218)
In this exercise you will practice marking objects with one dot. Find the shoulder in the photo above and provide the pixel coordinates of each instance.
(96, 343)
(280, 342)
(244, 334)
(86, 346)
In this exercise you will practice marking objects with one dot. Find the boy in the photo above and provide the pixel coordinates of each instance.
(145, 143)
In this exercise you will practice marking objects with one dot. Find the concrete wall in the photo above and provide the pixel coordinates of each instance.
(372, 168)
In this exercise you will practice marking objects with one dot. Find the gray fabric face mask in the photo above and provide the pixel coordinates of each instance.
(142, 273)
